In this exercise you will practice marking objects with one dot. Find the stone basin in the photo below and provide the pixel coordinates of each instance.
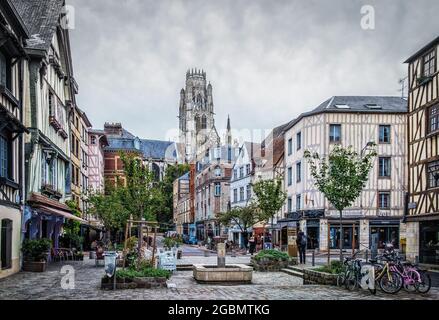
(232, 273)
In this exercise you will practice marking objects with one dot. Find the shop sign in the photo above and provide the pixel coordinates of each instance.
(383, 214)
(412, 205)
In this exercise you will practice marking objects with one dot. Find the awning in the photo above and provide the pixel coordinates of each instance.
(61, 213)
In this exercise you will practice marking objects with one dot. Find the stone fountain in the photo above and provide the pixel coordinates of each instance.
(222, 273)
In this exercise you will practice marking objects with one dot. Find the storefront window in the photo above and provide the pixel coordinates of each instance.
(348, 237)
(386, 234)
(429, 242)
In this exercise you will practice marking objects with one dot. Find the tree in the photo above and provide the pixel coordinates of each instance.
(139, 197)
(72, 228)
(172, 173)
(341, 177)
(269, 197)
(243, 217)
(108, 208)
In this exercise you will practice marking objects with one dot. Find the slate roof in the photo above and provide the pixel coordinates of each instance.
(41, 19)
(156, 149)
(150, 149)
(357, 104)
(422, 50)
(185, 176)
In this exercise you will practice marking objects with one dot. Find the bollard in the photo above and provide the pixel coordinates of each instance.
(313, 258)
(367, 255)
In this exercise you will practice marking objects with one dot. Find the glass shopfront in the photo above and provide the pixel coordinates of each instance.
(429, 242)
(386, 234)
(349, 236)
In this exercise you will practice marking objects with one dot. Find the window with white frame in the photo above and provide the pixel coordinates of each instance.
(384, 200)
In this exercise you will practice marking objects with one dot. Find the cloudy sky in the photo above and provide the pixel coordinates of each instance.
(268, 61)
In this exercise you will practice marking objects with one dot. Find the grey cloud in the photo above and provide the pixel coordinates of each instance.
(268, 61)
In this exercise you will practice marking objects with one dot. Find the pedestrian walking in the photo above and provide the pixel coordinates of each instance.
(301, 245)
(252, 243)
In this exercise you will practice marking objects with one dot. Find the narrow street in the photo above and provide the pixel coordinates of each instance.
(265, 286)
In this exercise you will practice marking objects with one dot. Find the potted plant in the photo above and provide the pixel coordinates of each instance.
(35, 254)
(79, 256)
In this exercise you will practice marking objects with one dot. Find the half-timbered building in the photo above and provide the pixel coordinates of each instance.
(13, 72)
(52, 90)
(423, 155)
(350, 121)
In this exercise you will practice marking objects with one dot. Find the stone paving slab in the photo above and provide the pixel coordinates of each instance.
(266, 286)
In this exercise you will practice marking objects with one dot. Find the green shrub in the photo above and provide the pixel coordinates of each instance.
(146, 272)
(272, 255)
(334, 268)
(36, 250)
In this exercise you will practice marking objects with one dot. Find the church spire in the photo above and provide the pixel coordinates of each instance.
(229, 132)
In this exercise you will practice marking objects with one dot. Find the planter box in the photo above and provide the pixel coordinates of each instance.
(317, 277)
(267, 265)
(136, 283)
(29, 266)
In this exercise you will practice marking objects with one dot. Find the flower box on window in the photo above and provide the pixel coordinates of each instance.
(63, 133)
(54, 123)
(424, 80)
(50, 190)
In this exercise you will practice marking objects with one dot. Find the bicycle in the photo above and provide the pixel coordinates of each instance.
(359, 275)
(389, 280)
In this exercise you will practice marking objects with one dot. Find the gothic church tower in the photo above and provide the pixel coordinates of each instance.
(197, 124)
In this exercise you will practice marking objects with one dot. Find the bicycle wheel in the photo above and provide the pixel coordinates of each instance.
(412, 281)
(425, 284)
(341, 279)
(391, 282)
(351, 282)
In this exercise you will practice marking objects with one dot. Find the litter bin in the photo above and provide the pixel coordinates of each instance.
(110, 265)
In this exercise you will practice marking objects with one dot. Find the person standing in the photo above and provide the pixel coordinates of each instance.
(252, 244)
(301, 245)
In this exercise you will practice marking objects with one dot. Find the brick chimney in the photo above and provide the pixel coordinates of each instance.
(113, 129)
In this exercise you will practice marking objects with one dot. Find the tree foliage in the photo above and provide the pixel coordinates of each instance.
(173, 172)
(243, 217)
(342, 176)
(269, 197)
(140, 196)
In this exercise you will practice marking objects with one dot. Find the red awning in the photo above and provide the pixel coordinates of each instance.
(61, 213)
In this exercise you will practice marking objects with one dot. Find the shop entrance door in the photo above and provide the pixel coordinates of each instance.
(313, 233)
(429, 242)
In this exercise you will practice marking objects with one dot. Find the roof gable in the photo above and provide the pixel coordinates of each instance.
(41, 19)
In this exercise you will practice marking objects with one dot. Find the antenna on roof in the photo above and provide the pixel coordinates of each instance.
(404, 85)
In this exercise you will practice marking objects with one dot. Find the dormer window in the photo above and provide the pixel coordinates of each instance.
(342, 106)
(373, 106)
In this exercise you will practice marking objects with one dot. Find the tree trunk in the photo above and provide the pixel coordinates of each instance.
(341, 236)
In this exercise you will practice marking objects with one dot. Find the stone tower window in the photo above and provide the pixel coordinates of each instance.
(204, 122)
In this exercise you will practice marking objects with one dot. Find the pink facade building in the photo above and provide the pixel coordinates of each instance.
(97, 143)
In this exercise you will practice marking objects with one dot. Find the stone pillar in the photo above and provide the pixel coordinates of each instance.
(364, 234)
(221, 251)
(323, 241)
(412, 236)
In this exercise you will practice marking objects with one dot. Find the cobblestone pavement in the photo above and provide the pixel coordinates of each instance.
(266, 286)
